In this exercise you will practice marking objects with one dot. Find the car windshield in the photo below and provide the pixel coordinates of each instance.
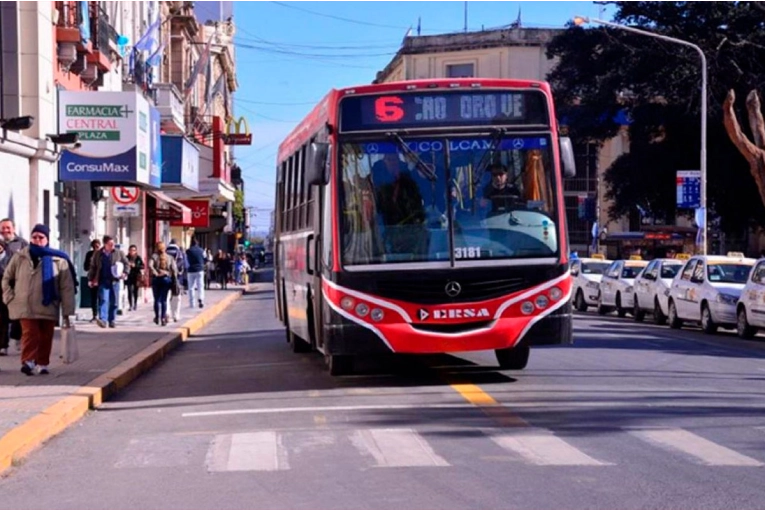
(594, 267)
(394, 200)
(631, 271)
(728, 273)
(670, 270)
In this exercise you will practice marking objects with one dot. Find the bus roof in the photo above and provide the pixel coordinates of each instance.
(326, 110)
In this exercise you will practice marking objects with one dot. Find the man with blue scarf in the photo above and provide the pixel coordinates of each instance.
(39, 285)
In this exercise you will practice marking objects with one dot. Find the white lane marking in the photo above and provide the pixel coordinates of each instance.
(396, 448)
(704, 450)
(538, 404)
(541, 448)
(252, 451)
(325, 409)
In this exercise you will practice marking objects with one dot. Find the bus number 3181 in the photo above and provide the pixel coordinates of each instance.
(471, 252)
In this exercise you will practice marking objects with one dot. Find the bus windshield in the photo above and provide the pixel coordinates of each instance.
(442, 199)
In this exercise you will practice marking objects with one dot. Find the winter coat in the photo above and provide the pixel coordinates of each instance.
(23, 288)
(171, 271)
(94, 273)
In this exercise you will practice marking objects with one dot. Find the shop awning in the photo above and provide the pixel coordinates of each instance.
(176, 211)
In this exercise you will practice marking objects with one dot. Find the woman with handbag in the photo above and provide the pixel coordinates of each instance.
(135, 274)
(164, 276)
(38, 285)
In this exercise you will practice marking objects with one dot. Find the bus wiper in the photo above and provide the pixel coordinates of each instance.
(422, 167)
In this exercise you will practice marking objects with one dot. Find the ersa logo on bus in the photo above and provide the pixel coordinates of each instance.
(453, 313)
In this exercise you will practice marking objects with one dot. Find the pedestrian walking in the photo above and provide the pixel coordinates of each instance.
(175, 251)
(5, 321)
(108, 267)
(210, 269)
(195, 257)
(164, 274)
(135, 276)
(39, 285)
(13, 244)
(95, 245)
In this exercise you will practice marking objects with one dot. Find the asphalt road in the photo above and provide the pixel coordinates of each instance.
(631, 416)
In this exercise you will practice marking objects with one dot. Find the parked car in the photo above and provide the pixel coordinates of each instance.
(616, 287)
(750, 309)
(707, 291)
(652, 289)
(586, 274)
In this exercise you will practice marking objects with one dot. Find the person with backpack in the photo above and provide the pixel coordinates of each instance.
(175, 251)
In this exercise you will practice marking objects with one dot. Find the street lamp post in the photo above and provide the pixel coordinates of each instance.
(579, 20)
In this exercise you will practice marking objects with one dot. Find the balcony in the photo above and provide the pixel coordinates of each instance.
(105, 37)
(170, 105)
(68, 17)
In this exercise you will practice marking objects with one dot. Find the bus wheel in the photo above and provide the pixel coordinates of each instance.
(514, 358)
(339, 364)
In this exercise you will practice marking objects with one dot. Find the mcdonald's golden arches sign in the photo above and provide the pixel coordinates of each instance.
(234, 134)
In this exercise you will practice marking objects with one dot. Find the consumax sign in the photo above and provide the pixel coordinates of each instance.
(114, 132)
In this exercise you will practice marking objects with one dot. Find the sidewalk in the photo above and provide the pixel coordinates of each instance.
(34, 409)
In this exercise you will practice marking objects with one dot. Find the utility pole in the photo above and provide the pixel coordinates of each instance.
(466, 16)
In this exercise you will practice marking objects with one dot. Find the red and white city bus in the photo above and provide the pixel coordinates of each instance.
(424, 217)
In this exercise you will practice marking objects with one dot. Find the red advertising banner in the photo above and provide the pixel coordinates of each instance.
(200, 214)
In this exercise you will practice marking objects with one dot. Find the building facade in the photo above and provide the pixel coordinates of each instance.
(514, 53)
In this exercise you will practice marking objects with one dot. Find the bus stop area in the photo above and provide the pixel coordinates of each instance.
(34, 409)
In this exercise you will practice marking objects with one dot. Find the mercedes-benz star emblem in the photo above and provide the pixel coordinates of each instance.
(453, 289)
(518, 143)
(373, 148)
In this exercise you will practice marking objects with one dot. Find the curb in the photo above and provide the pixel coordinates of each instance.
(21, 440)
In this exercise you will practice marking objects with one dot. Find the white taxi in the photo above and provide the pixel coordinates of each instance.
(616, 287)
(651, 289)
(707, 289)
(586, 274)
(750, 310)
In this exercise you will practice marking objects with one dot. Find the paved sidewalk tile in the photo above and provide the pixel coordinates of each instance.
(22, 397)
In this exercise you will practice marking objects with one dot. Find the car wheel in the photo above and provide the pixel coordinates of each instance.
(658, 316)
(743, 328)
(621, 312)
(674, 321)
(579, 303)
(637, 313)
(707, 324)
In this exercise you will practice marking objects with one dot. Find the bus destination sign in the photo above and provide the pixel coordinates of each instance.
(441, 109)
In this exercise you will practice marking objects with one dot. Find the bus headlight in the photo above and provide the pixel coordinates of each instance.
(542, 302)
(527, 307)
(377, 315)
(346, 303)
(556, 293)
(362, 309)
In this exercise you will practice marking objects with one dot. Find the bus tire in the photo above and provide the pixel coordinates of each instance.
(513, 358)
(339, 364)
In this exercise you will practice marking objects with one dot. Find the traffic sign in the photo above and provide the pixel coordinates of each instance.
(125, 195)
(131, 210)
(688, 189)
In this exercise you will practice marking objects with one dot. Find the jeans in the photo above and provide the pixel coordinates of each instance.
(132, 289)
(160, 287)
(107, 301)
(94, 300)
(196, 281)
(5, 326)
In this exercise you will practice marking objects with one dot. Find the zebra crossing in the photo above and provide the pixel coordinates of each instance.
(373, 448)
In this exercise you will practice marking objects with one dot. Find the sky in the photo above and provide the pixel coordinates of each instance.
(290, 54)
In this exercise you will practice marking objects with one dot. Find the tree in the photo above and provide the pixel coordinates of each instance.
(238, 208)
(753, 152)
(603, 72)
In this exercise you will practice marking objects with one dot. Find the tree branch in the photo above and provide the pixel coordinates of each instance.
(756, 122)
(742, 143)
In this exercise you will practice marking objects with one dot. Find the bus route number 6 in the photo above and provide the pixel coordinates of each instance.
(388, 108)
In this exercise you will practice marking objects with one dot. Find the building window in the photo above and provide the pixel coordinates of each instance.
(459, 71)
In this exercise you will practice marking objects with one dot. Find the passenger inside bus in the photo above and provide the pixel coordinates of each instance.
(400, 208)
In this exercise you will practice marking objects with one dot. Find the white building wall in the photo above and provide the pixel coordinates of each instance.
(14, 195)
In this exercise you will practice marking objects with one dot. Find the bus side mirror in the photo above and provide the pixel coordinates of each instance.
(567, 157)
(315, 172)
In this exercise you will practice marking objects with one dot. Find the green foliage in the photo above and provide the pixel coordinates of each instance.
(238, 209)
(602, 71)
